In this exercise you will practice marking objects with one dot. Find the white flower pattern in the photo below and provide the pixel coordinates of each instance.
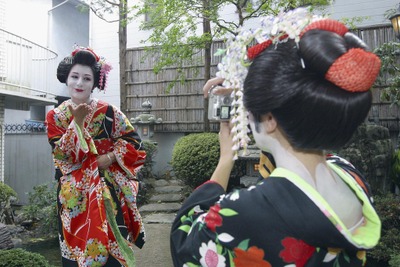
(210, 256)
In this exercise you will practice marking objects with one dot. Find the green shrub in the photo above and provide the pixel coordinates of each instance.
(146, 171)
(395, 261)
(22, 258)
(195, 157)
(6, 195)
(388, 208)
(151, 150)
(6, 192)
(42, 209)
(395, 170)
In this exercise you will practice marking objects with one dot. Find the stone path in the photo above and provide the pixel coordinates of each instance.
(165, 200)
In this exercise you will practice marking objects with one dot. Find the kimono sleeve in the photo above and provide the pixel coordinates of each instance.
(128, 147)
(216, 226)
(69, 143)
(192, 210)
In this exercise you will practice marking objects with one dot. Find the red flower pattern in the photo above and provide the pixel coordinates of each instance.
(213, 219)
(253, 257)
(296, 251)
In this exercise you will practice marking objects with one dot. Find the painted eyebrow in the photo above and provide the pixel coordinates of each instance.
(86, 74)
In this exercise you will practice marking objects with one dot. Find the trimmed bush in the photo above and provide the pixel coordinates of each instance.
(195, 157)
(22, 258)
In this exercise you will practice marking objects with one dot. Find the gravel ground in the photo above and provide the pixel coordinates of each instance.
(156, 251)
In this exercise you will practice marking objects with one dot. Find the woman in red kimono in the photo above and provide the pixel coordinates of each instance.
(306, 89)
(97, 154)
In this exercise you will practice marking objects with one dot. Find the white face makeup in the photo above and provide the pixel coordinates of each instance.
(80, 83)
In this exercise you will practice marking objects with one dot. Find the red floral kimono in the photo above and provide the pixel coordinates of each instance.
(98, 216)
(280, 222)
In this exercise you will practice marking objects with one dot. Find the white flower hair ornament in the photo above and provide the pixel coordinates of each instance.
(278, 29)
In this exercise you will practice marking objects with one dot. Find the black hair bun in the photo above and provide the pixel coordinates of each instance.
(63, 69)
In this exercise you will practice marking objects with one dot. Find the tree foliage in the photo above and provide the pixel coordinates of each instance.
(175, 24)
(389, 77)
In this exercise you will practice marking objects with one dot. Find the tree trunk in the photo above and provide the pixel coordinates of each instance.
(207, 60)
(122, 36)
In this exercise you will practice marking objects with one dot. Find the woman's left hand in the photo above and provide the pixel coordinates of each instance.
(211, 83)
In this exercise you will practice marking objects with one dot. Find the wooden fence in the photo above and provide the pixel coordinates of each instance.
(382, 113)
(182, 107)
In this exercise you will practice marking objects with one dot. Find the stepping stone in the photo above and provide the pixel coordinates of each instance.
(163, 207)
(169, 189)
(159, 218)
(175, 182)
(166, 198)
(161, 182)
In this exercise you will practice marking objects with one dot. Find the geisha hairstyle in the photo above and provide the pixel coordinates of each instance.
(86, 57)
(294, 82)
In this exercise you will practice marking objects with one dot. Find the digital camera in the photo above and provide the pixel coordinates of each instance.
(219, 104)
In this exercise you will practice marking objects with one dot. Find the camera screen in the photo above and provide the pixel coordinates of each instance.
(225, 110)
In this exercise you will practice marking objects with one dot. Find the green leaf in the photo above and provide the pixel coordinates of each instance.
(183, 218)
(228, 212)
(185, 228)
(189, 264)
(244, 245)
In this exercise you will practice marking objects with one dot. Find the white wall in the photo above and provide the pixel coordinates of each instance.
(28, 18)
(165, 145)
(56, 28)
(373, 10)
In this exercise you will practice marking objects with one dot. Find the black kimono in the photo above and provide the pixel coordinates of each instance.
(280, 222)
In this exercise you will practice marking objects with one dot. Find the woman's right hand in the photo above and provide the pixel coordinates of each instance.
(226, 142)
(80, 112)
(223, 170)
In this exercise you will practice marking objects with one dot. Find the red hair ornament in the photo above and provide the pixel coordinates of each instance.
(255, 50)
(86, 49)
(354, 71)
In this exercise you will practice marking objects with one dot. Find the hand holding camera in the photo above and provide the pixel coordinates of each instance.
(220, 100)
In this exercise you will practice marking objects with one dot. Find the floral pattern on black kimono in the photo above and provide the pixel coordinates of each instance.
(280, 222)
(99, 219)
